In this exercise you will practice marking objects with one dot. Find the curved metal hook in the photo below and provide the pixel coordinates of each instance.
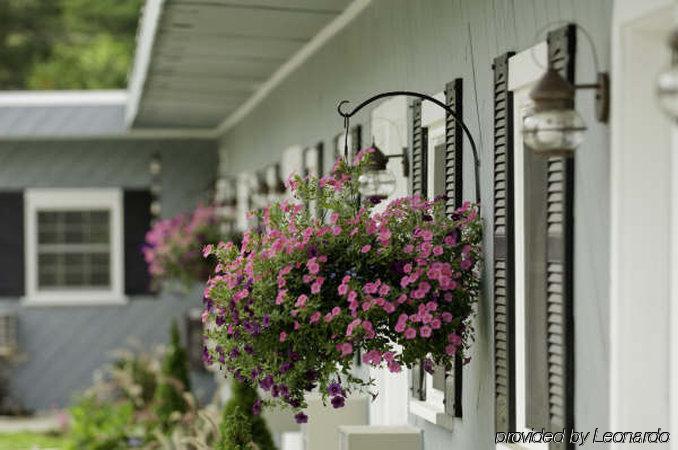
(450, 111)
(342, 113)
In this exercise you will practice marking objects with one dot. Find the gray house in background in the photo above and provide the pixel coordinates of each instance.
(75, 203)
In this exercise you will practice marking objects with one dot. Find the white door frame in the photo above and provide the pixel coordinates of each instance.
(642, 291)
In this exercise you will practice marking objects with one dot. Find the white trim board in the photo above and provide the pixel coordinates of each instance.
(643, 360)
(148, 27)
(63, 98)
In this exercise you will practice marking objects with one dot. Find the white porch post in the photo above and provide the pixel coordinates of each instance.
(641, 297)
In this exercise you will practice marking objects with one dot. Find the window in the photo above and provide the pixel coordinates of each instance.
(73, 245)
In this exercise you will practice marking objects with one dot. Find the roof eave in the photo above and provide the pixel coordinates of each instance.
(146, 36)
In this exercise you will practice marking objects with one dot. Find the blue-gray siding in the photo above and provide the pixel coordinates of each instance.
(61, 347)
(421, 45)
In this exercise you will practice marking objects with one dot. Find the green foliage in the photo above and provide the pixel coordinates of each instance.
(67, 44)
(243, 398)
(136, 376)
(26, 440)
(100, 425)
(236, 430)
(174, 382)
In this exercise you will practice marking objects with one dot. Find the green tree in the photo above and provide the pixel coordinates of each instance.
(236, 431)
(243, 398)
(174, 382)
(67, 44)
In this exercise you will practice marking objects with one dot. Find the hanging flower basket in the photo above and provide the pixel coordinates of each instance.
(292, 306)
(173, 248)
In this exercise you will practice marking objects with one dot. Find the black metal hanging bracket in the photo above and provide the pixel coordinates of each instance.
(348, 114)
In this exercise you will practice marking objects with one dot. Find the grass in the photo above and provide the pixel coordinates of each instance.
(29, 441)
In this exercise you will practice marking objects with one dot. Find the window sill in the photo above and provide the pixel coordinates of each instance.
(431, 413)
(48, 300)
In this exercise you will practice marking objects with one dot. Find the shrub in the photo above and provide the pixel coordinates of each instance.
(100, 425)
(244, 401)
(174, 381)
(236, 431)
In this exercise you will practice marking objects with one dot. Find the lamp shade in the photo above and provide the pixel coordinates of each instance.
(376, 184)
(554, 128)
(554, 133)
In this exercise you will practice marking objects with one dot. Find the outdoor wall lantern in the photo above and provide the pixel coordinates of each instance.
(667, 81)
(377, 183)
(155, 172)
(554, 127)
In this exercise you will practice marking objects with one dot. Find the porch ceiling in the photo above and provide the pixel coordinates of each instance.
(199, 60)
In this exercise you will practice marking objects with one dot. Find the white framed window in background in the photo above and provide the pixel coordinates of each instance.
(73, 246)
(433, 117)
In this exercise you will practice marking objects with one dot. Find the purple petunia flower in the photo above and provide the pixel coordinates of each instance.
(285, 367)
(428, 366)
(300, 417)
(284, 390)
(266, 383)
(338, 402)
(256, 407)
(206, 356)
(334, 389)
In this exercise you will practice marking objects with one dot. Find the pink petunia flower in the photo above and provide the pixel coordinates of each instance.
(312, 266)
(394, 367)
(410, 333)
(346, 348)
(207, 250)
(317, 285)
(301, 301)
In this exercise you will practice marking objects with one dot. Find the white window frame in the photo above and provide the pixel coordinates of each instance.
(433, 117)
(525, 69)
(68, 199)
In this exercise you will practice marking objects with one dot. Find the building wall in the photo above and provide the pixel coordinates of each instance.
(421, 45)
(61, 347)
